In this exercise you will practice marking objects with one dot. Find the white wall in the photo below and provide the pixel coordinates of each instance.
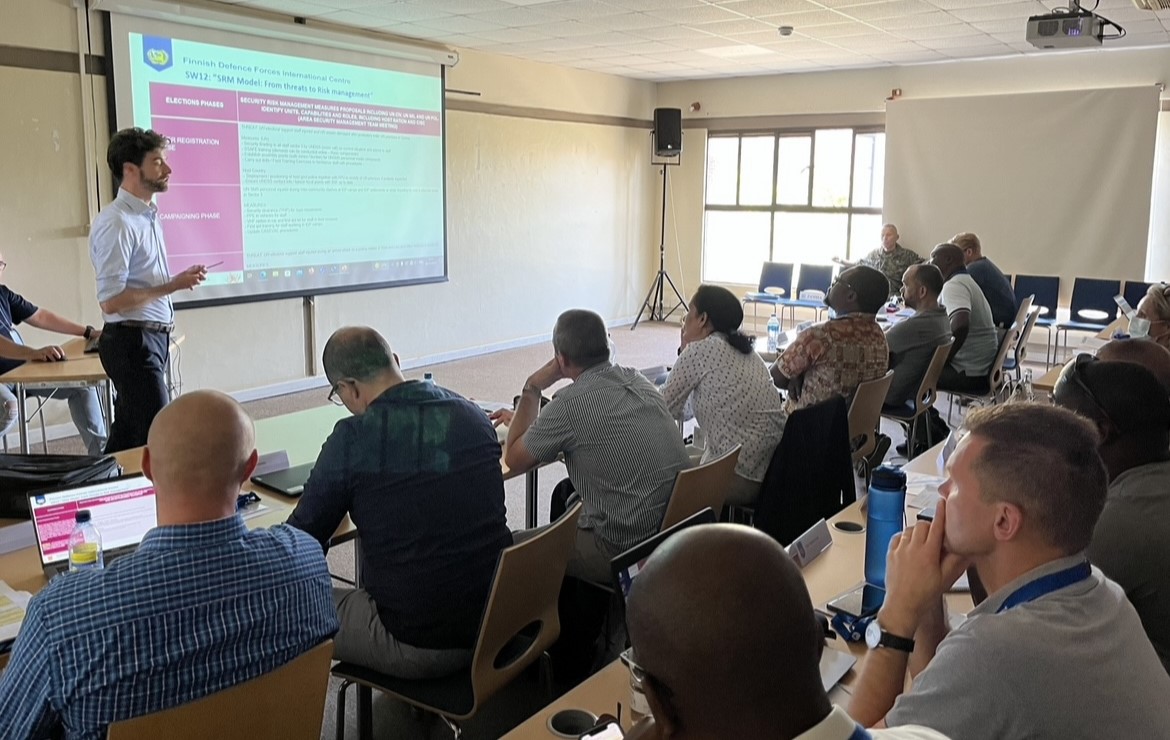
(543, 215)
(827, 96)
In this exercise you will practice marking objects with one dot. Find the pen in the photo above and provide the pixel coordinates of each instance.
(217, 264)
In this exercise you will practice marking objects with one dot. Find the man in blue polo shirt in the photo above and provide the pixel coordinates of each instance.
(1056, 649)
(417, 468)
(84, 408)
(202, 605)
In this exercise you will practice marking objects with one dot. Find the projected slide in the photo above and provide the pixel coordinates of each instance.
(295, 174)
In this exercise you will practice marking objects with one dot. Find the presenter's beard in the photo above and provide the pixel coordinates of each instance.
(155, 186)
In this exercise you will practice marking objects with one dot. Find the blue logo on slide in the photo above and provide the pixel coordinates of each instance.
(156, 52)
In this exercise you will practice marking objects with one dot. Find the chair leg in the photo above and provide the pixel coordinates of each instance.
(456, 730)
(545, 675)
(365, 712)
(341, 694)
(44, 432)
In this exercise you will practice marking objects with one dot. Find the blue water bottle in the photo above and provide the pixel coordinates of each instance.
(886, 517)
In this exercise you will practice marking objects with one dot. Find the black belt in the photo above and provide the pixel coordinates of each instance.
(144, 325)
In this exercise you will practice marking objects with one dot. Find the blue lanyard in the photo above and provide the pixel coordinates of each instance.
(859, 733)
(1046, 585)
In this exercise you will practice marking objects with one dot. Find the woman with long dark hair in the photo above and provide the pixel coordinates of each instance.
(729, 388)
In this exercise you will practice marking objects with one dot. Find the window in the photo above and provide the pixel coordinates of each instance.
(790, 196)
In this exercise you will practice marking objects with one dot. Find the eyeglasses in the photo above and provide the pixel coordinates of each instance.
(843, 281)
(1073, 373)
(333, 397)
(643, 677)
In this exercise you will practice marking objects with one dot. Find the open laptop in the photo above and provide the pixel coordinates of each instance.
(122, 510)
(834, 663)
(288, 482)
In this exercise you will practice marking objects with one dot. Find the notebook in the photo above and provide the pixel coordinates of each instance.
(121, 509)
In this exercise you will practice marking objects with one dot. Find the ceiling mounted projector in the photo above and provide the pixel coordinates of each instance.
(1065, 30)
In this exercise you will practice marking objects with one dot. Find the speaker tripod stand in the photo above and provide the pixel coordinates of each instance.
(655, 297)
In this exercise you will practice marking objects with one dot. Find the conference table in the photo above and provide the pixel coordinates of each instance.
(77, 370)
(837, 570)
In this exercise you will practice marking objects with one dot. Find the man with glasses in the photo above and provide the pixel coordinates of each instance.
(835, 356)
(724, 651)
(417, 469)
(1056, 649)
(1131, 410)
(84, 408)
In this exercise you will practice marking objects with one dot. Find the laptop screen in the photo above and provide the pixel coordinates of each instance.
(122, 510)
(628, 565)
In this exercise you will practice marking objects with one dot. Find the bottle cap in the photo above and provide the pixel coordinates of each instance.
(889, 477)
(82, 516)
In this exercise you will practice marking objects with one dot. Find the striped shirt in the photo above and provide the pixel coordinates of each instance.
(127, 250)
(622, 449)
(734, 399)
(196, 609)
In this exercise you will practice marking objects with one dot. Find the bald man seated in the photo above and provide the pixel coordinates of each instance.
(417, 469)
(1130, 407)
(747, 670)
(203, 604)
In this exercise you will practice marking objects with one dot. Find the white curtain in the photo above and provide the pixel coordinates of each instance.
(1054, 183)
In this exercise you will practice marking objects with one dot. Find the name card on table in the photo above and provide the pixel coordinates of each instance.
(808, 547)
(272, 462)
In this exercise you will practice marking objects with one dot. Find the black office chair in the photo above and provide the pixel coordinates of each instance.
(1135, 291)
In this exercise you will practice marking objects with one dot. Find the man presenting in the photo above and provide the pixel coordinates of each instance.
(83, 402)
(1056, 649)
(134, 285)
(891, 258)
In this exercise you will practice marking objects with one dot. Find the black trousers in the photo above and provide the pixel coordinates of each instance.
(136, 361)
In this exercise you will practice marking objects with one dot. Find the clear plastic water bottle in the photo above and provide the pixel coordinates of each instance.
(773, 333)
(85, 544)
(886, 518)
(1026, 389)
(429, 378)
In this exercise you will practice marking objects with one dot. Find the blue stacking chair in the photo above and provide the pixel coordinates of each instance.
(1135, 291)
(772, 275)
(1092, 307)
(810, 277)
(1045, 292)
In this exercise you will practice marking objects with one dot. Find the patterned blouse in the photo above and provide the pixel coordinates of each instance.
(834, 357)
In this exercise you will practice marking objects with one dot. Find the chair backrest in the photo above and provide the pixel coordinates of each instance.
(1044, 289)
(701, 487)
(1025, 305)
(995, 374)
(1021, 351)
(520, 617)
(1135, 291)
(814, 277)
(865, 414)
(928, 388)
(15, 336)
(288, 703)
(1094, 294)
(776, 275)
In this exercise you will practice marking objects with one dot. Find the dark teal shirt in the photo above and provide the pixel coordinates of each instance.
(419, 474)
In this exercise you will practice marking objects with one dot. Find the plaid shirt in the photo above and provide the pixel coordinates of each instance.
(196, 609)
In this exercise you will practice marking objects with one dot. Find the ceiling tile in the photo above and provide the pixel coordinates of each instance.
(408, 12)
(891, 9)
(291, 8)
(510, 35)
(802, 20)
(580, 9)
(696, 15)
(959, 4)
(1005, 26)
(836, 30)
(734, 28)
(1007, 11)
(515, 17)
(666, 33)
(761, 8)
(645, 5)
(960, 42)
(937, 32)
(762, 38)
(564, 29)
(610, 38)
(629, 21)
(459, 7)
(353, 18)
(334, 4)
(650, 47)
(459, 24)
(917, 20)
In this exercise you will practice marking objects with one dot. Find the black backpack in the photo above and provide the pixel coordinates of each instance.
(20, 475)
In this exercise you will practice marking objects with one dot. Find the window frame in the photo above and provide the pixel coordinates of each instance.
(850, 210)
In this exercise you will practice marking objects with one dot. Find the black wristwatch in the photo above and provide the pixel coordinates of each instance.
(876, 637)
(88, 332)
